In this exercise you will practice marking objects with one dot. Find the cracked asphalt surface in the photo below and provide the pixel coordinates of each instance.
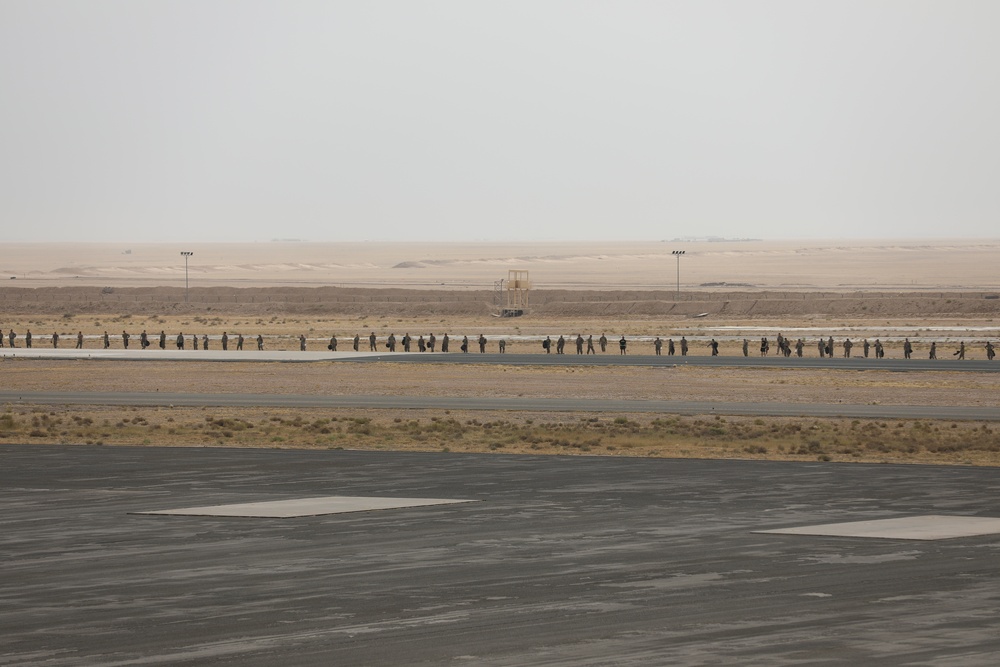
(566, 561)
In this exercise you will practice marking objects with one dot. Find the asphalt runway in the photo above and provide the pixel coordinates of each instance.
(945, 363)
(564, 561)
(759, 408)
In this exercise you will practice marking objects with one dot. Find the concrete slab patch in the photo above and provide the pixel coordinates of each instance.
(923, 527)
(283, 509)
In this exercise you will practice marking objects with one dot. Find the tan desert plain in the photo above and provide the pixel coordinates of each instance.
(940, 292)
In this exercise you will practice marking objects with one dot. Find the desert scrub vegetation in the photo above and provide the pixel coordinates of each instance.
(920, 441)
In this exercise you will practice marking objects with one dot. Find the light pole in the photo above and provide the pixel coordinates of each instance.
(186, 255)
(677, 254)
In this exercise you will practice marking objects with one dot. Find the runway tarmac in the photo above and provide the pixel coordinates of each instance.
(811, 363)
(759, 408)
(563, 561)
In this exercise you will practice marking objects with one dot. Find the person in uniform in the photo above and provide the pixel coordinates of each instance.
(55, 339)
(622, 344)
(590, 344)
(933, 352)
(11, 336)
(503, 346)
(821, 346)
(371, 342)
(865, 345)
(390, 342)
(143, 340)
(799, 345)
(670, 347)
(444, 343)
(714, 344)
(260, 342)
(579, 343)
(684, 346)
(764, 346)
(302, 343)
(180, 341)
(847, 348)
(204, 341)
(603, 342)
(746, 348)
(547, 345)
(27, 339)
(333, 343)
(829, 347)
(560, 344)
(960, 352)
(107, 340)
(225, 341)
(879, 350)
(990, 352)
(125, 337)
(163, 340)
(465, 344)
(421, 344)
(482, 343)
(907, 348)
(406, 342)
(79, 340)
(239, 341)
(357, 341)
(657, 345)
(431, 342)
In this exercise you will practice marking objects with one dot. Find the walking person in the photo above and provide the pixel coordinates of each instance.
(590, 344)
(960, 352)
(933, 352)
(260, 342)
(125, 338)
(990, 352)
(107, 340)
(715, 347)
(444, 343)
(684, 346)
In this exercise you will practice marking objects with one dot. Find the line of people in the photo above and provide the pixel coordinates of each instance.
(785, 346)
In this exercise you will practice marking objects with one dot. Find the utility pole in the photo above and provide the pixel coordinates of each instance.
(677, 254)
(186, 255)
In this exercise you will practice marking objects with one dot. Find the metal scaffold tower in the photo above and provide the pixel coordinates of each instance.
(510, 297)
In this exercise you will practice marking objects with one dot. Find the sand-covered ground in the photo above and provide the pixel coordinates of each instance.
(927, 292)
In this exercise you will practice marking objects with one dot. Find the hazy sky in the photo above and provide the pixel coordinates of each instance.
(457, 120)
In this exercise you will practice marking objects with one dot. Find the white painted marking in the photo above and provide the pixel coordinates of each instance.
(308, 506)
(924, 527)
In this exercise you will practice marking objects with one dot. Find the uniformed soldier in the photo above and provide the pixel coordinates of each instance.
(547, 345)
(333, 343)
(684, 346)
(960, 352)
(579, 343)
(180, 341)
(444, 343)
(27, 338)
(765, 346)
(107, 340)
(746, 348)
(847, 348)
(371, 342)
(990, 352)
(125, 337)
(225, 341)
(865, 345)
(799, 344)
(143, 340)
(821, 346)
(503, 346)
(55, 339)
(239, 341)
(933, 353)
(603, 341)
(670, 347)
(482, 343)
(260, 342)
(406, 342)
(204, 341)
(302, 343)
(357, 341)
(715, 347)
(560, 344)
(907, 348)
(622, 344)
(431, 342)
(421, 344)
(657, 345)
(590, 344)
(465, 344)
(79, 340)
(11, 336)
(390, 342)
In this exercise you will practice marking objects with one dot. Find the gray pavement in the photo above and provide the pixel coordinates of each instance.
(758, 408)
(946, 363)
(565, 561)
